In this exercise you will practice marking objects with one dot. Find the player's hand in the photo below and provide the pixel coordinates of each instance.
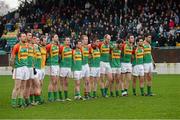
(35, 72)
(154, 65)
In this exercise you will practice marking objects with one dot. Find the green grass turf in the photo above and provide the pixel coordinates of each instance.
(166, 103)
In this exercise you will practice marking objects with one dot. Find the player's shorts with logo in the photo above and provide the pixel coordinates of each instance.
(138, 70)
(95, 71)
(126, 67)
(105, 67)
(65, 72)
(85, 70)
(21, 73)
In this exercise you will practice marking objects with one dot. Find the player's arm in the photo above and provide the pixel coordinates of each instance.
(13, 54)
(48, 47)
(133, 54)
(90, 50)
(73, 56)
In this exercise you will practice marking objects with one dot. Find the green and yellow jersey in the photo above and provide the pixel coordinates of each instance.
(20, 51)
(115, 58)
(66, 56)
(138, 54)
(53, 54)
(105, 52)
(95, 57)
(147, 53)
(126, 53)
(77, 60)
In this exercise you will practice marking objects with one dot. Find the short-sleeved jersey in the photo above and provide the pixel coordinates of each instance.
(66, 56)
(20, 52)
(53, 54)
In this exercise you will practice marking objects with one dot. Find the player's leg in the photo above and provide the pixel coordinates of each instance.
(102, 85)
(96, 78)
(141, 84)
(111, 84)
(123, 92)
(141, 79)
(134, 84)
(149, 83)
(77, 89)
(66, 82)
(32, 90)
(15, 92)
(134, 78)
(128, 76)
(37, 90)
(21, 100)
(28, 86)
(61, 87)
(148, 68)
(86, 79)
(27, 92)
(50, 86)
(91, 83)
(55, 87)
(86, 87)
(118, 80)
(110, 81)
(102, 77)
(95, 84)
(123, 81)
(77, 78)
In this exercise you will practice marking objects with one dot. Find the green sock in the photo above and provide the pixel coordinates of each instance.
(60, 95)
(126, 90)
(21, 101)
(36, 98)
(31, 98)
(142, 91)
(122, 91)
(50, 96)
(89, 94)
(77, 93)
(149, 90)
(94, 93)
(55, 95)
(117, 93)
(105, 91)
(13, 102)
(66, 94)
(27, 101)
(134, 91)
(111, 93)
(102, 91)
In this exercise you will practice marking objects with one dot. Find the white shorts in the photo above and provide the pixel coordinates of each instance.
(43, 73)
(116, 70)
(105, 67)
(54, 70)
(148, 67)
(38, 74)
(31, 73)
(77, 75)
(85, 70)
(138, 70)
(21, 73)
(65, 72)
(95, 72)
(126, 67)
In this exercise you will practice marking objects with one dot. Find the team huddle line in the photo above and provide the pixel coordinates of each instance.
(88, 63)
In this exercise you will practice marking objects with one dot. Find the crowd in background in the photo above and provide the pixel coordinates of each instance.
(115, 17)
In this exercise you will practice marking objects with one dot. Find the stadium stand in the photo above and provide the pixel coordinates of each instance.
(98, 18)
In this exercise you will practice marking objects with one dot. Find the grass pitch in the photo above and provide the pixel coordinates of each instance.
(165, 105)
